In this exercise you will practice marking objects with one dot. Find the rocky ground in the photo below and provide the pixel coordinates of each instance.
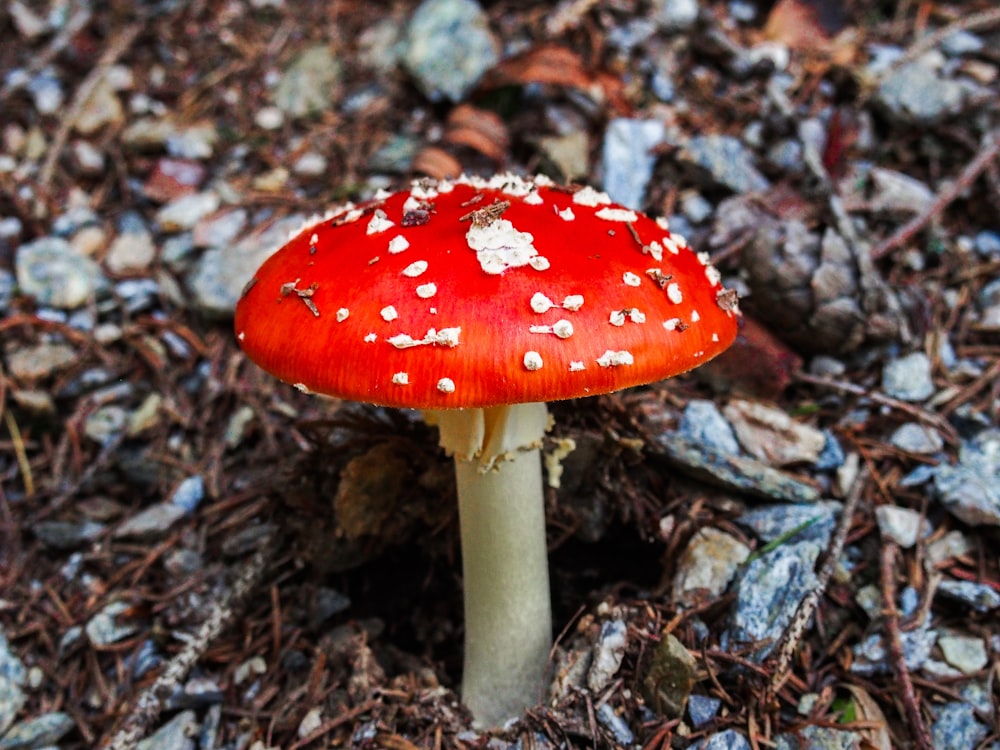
(795, 548)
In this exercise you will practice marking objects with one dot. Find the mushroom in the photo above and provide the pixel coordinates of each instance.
(477, 301)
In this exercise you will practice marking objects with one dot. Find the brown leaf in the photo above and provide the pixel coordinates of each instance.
(798, 25)
(868, 711)
(480, 130)
(757, 363)
(437, 163)
(559, 66)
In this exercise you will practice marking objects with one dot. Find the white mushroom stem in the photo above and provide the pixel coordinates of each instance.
(508, 611)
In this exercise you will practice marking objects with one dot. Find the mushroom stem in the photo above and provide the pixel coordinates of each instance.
(508, 611)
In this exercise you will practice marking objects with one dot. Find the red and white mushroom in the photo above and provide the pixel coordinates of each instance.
(477, 301)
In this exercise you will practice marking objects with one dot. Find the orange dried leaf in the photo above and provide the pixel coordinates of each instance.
(435, 162)
(480, 130)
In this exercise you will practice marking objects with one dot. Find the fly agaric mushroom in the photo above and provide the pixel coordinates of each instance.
(477, 301)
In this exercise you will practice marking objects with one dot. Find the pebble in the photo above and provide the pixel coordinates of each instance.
(703, 423)
(768, 592)
(104, 628)
(86, 158)
(670, 676)
(770, 435)
(961, 42)
(902, 525)
(309, 85)
(608, 654)
(448, 46)
(189, 493)
(918, 92)
(46, 92)
(185, 212)
(310, 164)
(871, 657)
(102, 109)
(623, 735)
(151, 522)
(13, 676)
(978, 596)
(67, 534)
(696, 207)
(173, 178)
(49, 270)
(702, 709)
(41, 731)
(956, 725)
(965, 653)
(176, 734)
(898, 194)
(269, 118)
(130, 253)
(221, 273)
(569, 153)
(970, 490)
(908, 378)
(726, 162)
(814, 737)
(628, 158)
(987, 244)
(105, 423)
(914, 437)
(675, 15)
(729, 739)
(707, 565)
(38, 361)
(192, 142)
(219, 228)
(736, 473)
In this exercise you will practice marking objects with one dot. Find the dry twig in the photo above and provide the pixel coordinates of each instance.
(118, 47)
(895, 648)
(807, 607)
(989, 151)
(221, 614)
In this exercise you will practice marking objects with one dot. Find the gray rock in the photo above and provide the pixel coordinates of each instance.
(49, 270)
(902, 525)
(448, 48)
(872, 658)
(130, 252)
(628, 158)
(43, 730)
(702, 709)
(707, 566)
(189, 493)
(39, 361)
(606, 715)
(914, 437)
(105, 423)
(103, 629)
(770, 435)
(46, 91)
(987, 244)
(736, 473)
(813, 521)
(177, 734)
(151, 522)
(970, 490)
(608, 654)
(67, 534)
(909, 377)
(918, 92)
(726, 161)
(191, 142)
(965, 653)
(184, 212)
(7, 286)
(961, 43)
(703, 423)
(309, 85)
(730, 739)
(13, 676)
(675, 15)
(221, 273)
(956, 725)
(978, 596)
(819, 738)
(768, 592)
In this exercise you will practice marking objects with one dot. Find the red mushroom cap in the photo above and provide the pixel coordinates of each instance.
(475, 293)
